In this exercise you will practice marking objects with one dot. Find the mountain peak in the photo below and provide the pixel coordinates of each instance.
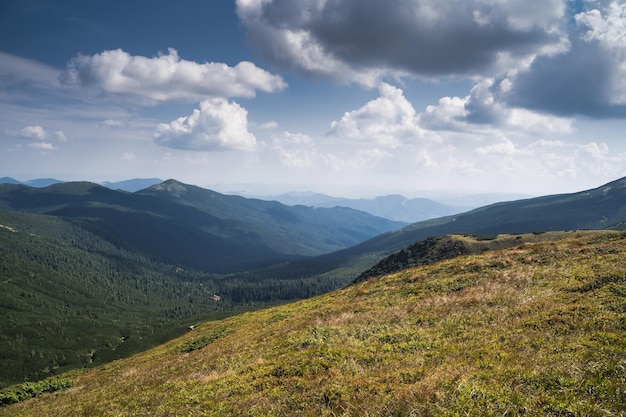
(172, 186)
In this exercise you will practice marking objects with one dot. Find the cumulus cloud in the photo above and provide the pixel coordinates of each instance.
(217, 125)
(559, 57)
(587, 79)
(60, 136)
(364, 40)
(388, 120)
(34, 132)
(482, 109)
(167, 77)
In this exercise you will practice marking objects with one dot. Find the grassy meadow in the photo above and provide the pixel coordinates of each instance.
(535, 329)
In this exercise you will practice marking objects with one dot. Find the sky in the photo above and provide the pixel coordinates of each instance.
(353, 98)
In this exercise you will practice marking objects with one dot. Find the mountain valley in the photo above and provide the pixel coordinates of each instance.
(535, 329)
(91, 274)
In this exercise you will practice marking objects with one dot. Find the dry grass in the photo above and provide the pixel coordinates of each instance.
(533, 330)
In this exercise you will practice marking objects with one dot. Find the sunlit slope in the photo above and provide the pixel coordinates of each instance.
(537, 329)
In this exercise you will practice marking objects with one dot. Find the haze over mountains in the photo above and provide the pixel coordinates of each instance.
(393, 207)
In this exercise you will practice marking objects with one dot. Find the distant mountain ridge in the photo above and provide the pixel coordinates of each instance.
(394, 206)
(603, 207)
(37, 182)
(131, 185)
(197, 227)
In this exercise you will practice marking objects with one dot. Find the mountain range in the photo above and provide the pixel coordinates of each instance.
(199, 228)
(600, 208)
(393, 207)
(131, 185)
(98, 273)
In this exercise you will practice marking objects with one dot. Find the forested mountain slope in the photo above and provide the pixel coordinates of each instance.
(600, 208)
(198, 228)
(70, 298)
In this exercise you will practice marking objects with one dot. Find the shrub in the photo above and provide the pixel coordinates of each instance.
(26, 390)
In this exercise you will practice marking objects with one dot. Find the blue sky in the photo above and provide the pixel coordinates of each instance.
(346, 97)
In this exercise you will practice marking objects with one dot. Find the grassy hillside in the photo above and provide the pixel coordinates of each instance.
(438, 248)
(536, 329)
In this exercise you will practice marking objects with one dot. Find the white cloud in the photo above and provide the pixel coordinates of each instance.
(217, 125)
(503, 147)
(167, 77)
(113, 123)
(271, 125)
(594, 150)
(42, 146)
(60, 136)
(128, 156)
(35, 132)
(289, 138)
(481, 110)
(388, 120)
(448, 114)
(609, 30)
(544, 159)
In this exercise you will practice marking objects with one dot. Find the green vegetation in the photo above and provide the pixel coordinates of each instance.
(438, 248)
(197, 228)
(70, 299)
(599, 208)
(535, 329)
(26, 390)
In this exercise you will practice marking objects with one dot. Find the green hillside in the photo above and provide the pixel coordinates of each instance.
(535, 329)
(599, 208)
(198, 228)
(69, 298)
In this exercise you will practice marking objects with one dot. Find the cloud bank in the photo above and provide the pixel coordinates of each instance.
(558, 56)
(361, 40)
(167, 77)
